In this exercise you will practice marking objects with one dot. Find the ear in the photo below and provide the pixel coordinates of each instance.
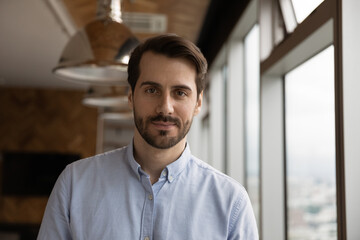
(130, 99)
(198, 104)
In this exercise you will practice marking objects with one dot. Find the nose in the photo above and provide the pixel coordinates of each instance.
(165, 105)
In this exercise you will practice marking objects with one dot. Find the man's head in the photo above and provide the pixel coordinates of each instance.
(171, 46)
(166, 75)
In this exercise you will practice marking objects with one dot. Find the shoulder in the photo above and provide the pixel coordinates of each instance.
(100, 159)
(216, 180)
(209, 171)
(82, 177)
(96, 166)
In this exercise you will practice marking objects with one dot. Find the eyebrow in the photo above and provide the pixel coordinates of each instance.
(151, 83)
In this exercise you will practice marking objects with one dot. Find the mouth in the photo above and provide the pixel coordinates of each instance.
(164, 122)
(161, 125)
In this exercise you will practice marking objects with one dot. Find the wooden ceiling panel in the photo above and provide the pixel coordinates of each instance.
(185, 17)
(146, 6)
(82, 11)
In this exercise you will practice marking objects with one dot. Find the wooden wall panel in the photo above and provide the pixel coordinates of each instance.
(46, 120)
(22, 210)
(39, 120)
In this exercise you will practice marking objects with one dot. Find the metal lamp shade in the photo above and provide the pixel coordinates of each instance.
(112, 97)
(98, 54)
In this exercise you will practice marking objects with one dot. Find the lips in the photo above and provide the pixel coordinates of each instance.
(163, 125)
(164, 122)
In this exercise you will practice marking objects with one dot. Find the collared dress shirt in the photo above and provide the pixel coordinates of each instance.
(109, 196)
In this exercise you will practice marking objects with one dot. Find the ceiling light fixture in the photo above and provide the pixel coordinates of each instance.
(114, 97)
(99, 53)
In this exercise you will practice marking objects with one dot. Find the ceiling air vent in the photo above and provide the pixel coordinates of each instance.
(145, 22)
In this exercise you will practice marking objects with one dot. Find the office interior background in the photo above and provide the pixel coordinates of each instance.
(281, 112)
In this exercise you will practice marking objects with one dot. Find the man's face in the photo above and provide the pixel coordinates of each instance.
(165, 99)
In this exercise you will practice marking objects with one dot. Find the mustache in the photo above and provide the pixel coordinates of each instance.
(165, 119)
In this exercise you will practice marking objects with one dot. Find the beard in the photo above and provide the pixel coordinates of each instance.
(161, 138)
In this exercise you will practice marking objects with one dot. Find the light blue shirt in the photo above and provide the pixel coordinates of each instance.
(109, 196)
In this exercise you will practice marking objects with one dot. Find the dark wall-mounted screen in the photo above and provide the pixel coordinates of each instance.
(34, 174)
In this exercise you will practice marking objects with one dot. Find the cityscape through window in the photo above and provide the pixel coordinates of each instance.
(310, 149)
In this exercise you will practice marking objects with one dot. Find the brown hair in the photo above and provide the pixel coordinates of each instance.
(171, 46)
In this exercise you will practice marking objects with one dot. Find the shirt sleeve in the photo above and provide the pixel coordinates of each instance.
(56, 220)
(243, 224)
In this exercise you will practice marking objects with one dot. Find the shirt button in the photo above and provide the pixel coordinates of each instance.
(146, 238)
(171, 178)
(150, 198)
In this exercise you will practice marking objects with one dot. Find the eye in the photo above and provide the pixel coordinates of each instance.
(181, 93)
(151, 90)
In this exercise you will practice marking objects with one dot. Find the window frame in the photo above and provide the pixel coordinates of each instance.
(315, 33)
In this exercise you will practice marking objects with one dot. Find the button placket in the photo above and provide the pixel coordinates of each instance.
(148, 212)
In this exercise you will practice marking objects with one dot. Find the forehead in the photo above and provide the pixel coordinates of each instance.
(160, 68)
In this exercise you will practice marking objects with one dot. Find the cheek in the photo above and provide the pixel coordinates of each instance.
(142, 105)
(185, 112)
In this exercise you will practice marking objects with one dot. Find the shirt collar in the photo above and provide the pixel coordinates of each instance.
(133, 164)
(172, 170)
(175, 168)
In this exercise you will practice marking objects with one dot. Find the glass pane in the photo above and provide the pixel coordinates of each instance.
(216, 112)
(303, 8)
(252, 122)
(310, 149)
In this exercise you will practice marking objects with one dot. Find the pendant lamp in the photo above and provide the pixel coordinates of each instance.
(99, 53)
(110, 97)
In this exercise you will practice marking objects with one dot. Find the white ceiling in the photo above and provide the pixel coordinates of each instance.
(31, 42)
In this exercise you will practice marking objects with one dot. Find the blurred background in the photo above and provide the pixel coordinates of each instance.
(280, 115)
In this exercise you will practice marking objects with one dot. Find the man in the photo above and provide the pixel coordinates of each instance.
(154, 188)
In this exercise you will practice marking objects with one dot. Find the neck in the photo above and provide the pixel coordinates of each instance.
(153, 160)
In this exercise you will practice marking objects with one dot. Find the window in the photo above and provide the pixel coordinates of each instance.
(279, 135)
(310, 149)
(252, 118)
(295, 11)
(303, 8)
(216, 121)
